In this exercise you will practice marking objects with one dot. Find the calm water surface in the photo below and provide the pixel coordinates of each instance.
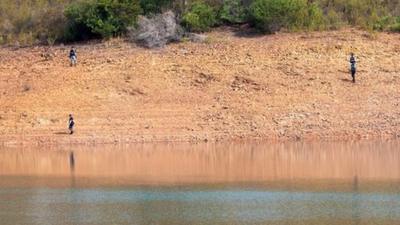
(237, 183)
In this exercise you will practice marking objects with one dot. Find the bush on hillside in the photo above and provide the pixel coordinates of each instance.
(31, 22)
(333, 20)
(200, 17)
(155, 6)
(233, 12)
(383, 23)
(272, 15)
(314, 19)
(156, 31)
(100, 18)
(27, 22)
(396, 26)
(369, 14)
(77, 29)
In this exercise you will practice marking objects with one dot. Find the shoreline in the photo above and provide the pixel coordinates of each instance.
(51, 140)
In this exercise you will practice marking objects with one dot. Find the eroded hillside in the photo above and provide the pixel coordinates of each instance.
(281, 86)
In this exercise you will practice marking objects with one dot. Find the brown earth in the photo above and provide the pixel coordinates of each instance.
(283, 86)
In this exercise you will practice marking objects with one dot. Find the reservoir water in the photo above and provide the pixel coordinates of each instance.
(225, 183)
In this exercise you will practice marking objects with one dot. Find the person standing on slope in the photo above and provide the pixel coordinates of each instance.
(71, 124)
(353, 67)
(73, 57)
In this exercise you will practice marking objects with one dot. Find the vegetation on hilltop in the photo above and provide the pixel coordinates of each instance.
(100, 18)
(46, 21)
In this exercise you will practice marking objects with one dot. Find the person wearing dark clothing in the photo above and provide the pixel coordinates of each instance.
(71, 124)
(353, 67)
(72, 56)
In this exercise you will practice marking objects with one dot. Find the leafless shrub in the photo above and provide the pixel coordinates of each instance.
(156, 31)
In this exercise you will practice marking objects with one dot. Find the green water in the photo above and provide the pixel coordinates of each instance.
(195, 205)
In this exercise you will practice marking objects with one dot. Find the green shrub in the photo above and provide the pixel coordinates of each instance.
(315, 18)
(272, 15)
(368, 14)
(233, 12)
(395, 27)
(333, 20)
(154, 6)
(77, 29)
(200, 17)
(192, 22)
(27, 22)
(383, 23)
(100, 18)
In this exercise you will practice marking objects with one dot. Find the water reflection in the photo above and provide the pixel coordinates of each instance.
(72, 162)
(209, 163)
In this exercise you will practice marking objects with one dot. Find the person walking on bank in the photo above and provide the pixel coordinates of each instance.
(73, 57)
(353, 67)
(71, 124)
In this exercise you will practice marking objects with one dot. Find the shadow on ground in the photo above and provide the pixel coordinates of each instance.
(61, 133)
(346, 80)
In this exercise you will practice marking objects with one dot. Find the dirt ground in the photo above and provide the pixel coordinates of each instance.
(275, 87)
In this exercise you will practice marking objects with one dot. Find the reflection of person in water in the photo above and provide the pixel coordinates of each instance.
(72, 161)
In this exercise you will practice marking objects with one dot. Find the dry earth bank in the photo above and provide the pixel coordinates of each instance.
(284, 86)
